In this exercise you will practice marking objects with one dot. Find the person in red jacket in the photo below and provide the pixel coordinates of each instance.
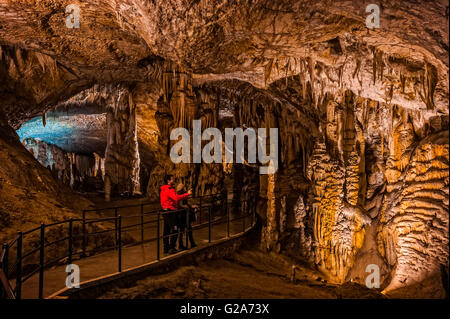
(169, 202)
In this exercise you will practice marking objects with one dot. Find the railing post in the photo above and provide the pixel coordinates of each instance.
(209, 224)
(83, 254)
(188, 210)
(142, 222)
(252, 215)
(115, 225)
(41, 262)
(226, 202)
(243, 216)
(255, 215)
(228, 219)
(3, 292)
(200, 212)
(19, 266)
(5, 259)
(120, 242)
(70, 240)
(158, 234)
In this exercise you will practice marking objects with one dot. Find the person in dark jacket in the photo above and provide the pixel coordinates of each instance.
(182, 220)
(169, 202)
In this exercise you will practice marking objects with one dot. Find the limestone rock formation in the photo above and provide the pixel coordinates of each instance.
(83, 172)
(413, 234)
(122, 154)
(362, 116)
(29, 195)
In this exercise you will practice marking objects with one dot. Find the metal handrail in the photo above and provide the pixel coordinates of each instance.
(6, 285)
(118, 229)
(143, 204)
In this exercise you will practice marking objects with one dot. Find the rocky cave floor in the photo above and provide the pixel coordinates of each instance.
(245, 274)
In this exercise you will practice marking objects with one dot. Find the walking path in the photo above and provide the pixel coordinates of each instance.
(132, 255)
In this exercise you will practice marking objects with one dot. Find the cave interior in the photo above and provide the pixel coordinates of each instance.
(86, 115)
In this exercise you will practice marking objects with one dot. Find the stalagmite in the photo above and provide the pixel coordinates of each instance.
(122, 154)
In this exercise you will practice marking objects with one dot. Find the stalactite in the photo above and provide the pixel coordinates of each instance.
(428, 81)
(381, 64)
(402, 81)
(374, 65)
(268, 71)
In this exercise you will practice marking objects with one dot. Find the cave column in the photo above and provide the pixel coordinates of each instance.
(122, 153)
(271, 232)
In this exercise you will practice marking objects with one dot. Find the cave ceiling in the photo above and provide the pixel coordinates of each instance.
(362, 114)
(43, 63)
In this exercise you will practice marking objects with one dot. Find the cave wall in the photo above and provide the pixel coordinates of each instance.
(372, 163)
(414, 220)
(363, 114)
(347, 193)
(29, 194)
(79, 171)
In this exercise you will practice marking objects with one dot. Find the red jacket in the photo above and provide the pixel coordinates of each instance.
(169, 198)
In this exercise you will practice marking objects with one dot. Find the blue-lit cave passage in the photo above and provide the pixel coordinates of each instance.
(71, 145)
(80, 133)
(352, 97)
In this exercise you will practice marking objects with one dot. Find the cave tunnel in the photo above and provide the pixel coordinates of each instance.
(88, 110)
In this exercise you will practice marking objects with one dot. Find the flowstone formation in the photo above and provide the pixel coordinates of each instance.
(122, 153)
(413, 231)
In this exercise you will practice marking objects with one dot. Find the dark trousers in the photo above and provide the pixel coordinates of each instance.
(182, 227)
(170, 234)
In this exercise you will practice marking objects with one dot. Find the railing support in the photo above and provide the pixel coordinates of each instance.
(251, 214)
(41, 262)
(119, 235)
(142, 222)
(254, 213)
(70, 241)
(200, 212)
(228, 220)
(83, 254)
(226, 202)
(209, 224)
(188, 210)
(5, 261)
(158, 234)
(115, 225)
(244, 214)
(19, 266)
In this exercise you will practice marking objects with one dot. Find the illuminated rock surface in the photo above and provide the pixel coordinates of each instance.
(362, 117)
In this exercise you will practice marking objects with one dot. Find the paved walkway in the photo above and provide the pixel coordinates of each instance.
(132, 255)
